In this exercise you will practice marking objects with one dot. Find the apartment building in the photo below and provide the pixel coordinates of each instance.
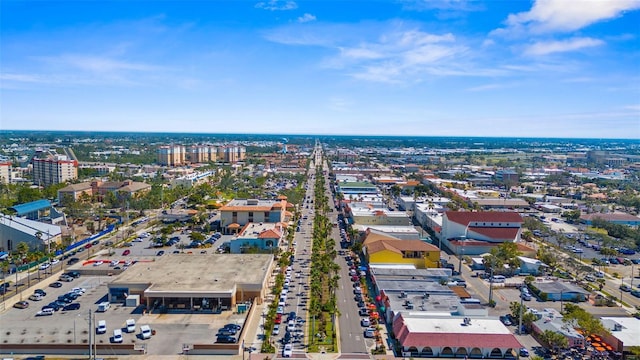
(5, 172)
(171, 155)
(176, 155)
(54, 169)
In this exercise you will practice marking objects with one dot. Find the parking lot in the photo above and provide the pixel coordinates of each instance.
(73, 326)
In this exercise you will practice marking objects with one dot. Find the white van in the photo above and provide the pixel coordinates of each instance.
(131, 325)
(102, 327)
(145, 331)
(498, 279)
(103, 306)
(117, 336)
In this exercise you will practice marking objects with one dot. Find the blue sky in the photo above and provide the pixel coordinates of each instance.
(546, 68)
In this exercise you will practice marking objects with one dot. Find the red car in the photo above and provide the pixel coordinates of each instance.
(88, 246)
(278, 319)
(126, 252)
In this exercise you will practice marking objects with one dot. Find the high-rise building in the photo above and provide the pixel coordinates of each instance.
(171, 155)
(5, 172)
(54, 169)
(198, 154)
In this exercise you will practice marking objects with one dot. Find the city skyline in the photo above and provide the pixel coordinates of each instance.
(545, 68)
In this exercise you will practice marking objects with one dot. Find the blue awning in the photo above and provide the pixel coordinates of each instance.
(26, 208)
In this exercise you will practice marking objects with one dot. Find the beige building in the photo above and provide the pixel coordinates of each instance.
(171, 155)
(203, 283)
(5, 172)
(54, 169)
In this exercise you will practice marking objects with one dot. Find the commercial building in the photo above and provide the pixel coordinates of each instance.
(426, 335)
(373, 216)
(38, 235)
(98, 189)
(54, 169)
(195, 283)
(239, 212)
(623, 333)
(551, 319)
(385, 249)
(257, 237)
(561, 291)
(190, 180)
(470, 233)
(616, 218)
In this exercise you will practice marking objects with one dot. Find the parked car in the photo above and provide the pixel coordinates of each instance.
(65, 277)
(126, 252)
(56, 284)
(72, 306)
(21, 305)
(226, 339)
(287, 351)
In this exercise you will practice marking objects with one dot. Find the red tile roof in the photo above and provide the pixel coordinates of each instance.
(269, 234)
(441, 339)
(495, 232)
(465, 217)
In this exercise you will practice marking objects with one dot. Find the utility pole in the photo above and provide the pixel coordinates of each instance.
(90, 336)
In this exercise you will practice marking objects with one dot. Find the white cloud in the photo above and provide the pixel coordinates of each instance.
(565, 16)
(488, 87)
(99, 64)
(306, 18)
(274, 5)
(550, 47)
(460, 5)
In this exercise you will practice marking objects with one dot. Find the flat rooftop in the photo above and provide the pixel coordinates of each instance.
(253, 230)
(453, 325)
(398, 273)
(198, 272)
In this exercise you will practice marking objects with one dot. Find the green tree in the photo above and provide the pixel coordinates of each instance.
(553, 339)
(580, 318)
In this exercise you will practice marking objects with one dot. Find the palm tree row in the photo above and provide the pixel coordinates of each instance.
(324, 271)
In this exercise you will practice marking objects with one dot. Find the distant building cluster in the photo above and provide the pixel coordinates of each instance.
(177, 155)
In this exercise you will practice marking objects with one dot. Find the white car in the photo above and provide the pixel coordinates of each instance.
(44, 266)
(276, 329)
(54, 261)
(287, 351)
(291, 326)
(79, 290)
(98, 263)
(365, 322)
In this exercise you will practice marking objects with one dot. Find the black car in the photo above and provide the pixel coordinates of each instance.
(54, 305)
(225, 339)
(72, 261)
(232, 326)
(56, 284)
(363, 312)
(73, 306)
(292, 315)
(226, 332)
(40, 292)
(65, 299)
(73, 274)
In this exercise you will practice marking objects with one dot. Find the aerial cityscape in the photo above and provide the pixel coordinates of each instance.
(320, 180)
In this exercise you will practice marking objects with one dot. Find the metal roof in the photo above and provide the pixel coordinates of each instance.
(26, 208)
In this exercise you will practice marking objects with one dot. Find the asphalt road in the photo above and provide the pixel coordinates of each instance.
(352, 338)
